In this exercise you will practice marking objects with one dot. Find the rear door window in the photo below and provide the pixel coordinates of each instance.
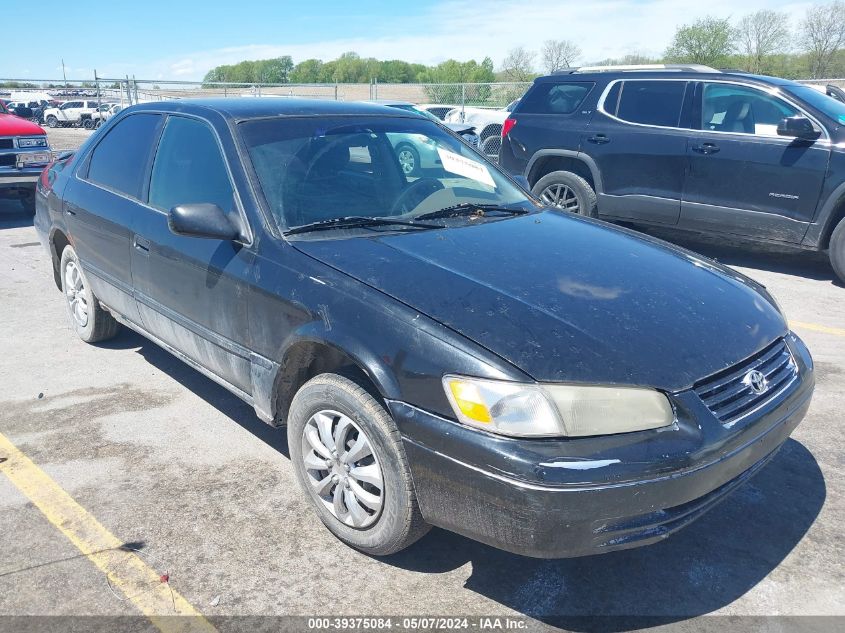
(189, 167)
(120, 160)
(555, 98)
(647, 102)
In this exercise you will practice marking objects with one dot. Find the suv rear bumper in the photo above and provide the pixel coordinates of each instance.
(500, 502)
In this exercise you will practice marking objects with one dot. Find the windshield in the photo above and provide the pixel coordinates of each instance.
(820, 101)
(313, 169)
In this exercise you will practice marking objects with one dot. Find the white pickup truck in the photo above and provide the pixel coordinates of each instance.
(69, 113)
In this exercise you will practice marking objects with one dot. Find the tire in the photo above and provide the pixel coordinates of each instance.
(566, 191)
(88, 124)
(409, 159)
(52, 121)
(337, 401)
(836, 250)
(97, 324)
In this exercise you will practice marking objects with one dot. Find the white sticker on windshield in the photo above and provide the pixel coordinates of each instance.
(465, 167)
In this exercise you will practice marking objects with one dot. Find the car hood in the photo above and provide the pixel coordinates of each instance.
(11, 125)
(569, 300)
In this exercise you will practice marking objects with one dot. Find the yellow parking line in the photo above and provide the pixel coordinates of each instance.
(125, 570)
(836, 331)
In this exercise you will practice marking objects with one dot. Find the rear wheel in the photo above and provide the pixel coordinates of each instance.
(837, 250)
(566, 191)
(91, 322)
(349, 459)
(52, 121)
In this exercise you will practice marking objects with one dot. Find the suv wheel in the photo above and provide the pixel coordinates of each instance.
(52, 121)
(837, 250)
(566, 191)
(348, 457)
(91, 322)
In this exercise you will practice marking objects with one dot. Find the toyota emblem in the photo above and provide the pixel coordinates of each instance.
(756, 381)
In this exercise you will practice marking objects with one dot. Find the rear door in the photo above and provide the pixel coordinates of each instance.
(101, 202)
(192, 292)
(744, 179)
(549, 116)
(638, 140)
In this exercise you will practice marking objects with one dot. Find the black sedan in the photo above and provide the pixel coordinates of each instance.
(443, 350)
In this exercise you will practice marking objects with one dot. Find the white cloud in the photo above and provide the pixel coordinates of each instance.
(468, 29)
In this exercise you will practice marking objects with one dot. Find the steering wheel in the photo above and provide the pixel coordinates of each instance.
(416, 192)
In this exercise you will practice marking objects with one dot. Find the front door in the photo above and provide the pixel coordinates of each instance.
(744, 179)
(192, 292)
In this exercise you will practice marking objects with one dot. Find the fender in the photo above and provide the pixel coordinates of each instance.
(822, 226)
(567, 153)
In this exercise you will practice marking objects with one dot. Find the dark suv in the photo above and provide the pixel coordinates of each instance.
(687, 146)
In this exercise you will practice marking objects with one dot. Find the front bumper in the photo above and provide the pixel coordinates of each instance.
(553, 498)
(26, 177)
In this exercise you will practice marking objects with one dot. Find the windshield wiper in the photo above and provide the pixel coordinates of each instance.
(470, 208)
(354, 222)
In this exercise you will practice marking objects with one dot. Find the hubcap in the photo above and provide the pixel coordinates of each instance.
(407, 161)
(342, 470)
(76, 294)
(562, 197)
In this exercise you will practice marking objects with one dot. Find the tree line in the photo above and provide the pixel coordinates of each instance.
(351, 68)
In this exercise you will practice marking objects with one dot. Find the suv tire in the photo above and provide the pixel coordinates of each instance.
(91, 322)
(836, 250)
(566, 191)
(333, 413)
(52, 121)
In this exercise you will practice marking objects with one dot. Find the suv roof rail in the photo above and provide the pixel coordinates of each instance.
(690, 68)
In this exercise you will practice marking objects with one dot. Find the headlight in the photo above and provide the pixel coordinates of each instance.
(531, 410)
(35, 141)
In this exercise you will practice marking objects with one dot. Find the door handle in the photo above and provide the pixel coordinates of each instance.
(706, 148)
(70, 209)
(141, 243)
(599, 139)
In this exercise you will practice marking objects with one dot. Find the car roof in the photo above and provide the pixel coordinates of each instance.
(239, 108)
(600, 76)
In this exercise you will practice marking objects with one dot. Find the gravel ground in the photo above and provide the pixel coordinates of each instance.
(65, 138)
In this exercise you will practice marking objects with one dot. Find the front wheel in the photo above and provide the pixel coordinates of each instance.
(566, 191)
(409, 159)
(837, 250)
(52, 121)
(91, 322)
(349, 459)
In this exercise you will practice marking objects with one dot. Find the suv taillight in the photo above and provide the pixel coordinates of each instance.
(507, 126)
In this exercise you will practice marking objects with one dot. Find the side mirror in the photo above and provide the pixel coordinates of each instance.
(201, 220)
(798, 127)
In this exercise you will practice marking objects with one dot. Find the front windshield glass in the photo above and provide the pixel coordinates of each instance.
(314, 169)
(820, 101)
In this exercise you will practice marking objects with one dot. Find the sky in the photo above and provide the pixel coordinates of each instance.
(161, 39)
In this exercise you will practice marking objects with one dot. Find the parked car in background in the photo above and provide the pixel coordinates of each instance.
(103, 113)
(69, 113)
(415, 158)
(488, 123)
(688, 147)
(28, 109)
(443, 350)
(24, 152)
(440, 110)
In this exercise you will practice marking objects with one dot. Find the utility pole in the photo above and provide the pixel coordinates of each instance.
(64, 75)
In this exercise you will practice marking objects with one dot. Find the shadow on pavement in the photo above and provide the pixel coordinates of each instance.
(13, 215)
(754, 255)
(705, 567)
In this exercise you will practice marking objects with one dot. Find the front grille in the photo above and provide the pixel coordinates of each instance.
(729, 395)
(7, 143)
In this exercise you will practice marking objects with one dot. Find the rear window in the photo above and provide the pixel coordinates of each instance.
(555, 98)
(647, 102)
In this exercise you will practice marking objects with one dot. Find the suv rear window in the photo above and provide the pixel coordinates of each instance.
(555, 98)
(647, 102)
